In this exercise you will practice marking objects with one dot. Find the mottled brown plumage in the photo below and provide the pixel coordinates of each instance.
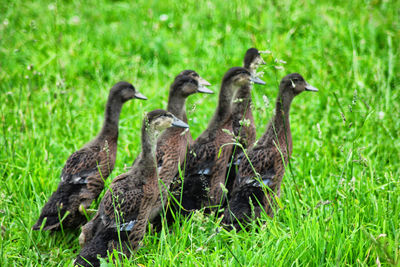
(268, 158)
(125, 208)
(205, 167)
(172, 144)
(82, 178)
(243, 120)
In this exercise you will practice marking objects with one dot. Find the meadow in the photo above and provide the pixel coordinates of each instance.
(340, 203)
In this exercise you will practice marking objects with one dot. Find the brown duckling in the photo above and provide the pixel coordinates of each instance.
(84, 173)
(243, 121)
(125, 208)
(205, 167)
(173, 142)
(261, 179)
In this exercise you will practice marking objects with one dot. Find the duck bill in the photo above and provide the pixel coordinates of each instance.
(310, 88)
(139, 95)
(204, 90)
(203, 82)
(257, 80)
(180, 124)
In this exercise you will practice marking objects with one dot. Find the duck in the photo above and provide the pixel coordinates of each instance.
(243, 121)
(259, 179)
(123, 213)
(84, 173)
(207, 158)
(173, 142)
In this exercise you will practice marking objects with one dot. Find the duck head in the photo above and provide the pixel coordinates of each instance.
(186, 85)
(158, 120)
(295, 84)
(195, 75)
(238, 77)
(126, 91)
(252, 60)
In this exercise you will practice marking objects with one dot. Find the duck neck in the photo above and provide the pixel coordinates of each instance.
(242, 102)
(251, 67)
(111, 117)
(280, 124)
(176, 105)
(282, 109)
(278, 129)
(224, 108)
(149, 143)
(243, 96)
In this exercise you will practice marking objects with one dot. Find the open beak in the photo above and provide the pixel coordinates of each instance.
(257, 80)
(204, 90)
(311, 88)
(203, 82)
(178, 123)
(139, 95)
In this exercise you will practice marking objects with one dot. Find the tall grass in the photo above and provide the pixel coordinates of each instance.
(59, 59)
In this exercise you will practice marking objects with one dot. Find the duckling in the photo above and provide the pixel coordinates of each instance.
(172, 144)
(205, 167)
(260, 179)
(125, 208)
(243, 120)
(84, 173)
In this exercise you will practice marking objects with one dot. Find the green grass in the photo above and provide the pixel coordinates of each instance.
(340, 198)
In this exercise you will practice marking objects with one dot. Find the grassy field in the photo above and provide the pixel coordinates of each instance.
(340, 201)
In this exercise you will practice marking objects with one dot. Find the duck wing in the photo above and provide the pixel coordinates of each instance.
(260, 167)
(81, 182)
(83, 164)
(253, 176)
(120, 205)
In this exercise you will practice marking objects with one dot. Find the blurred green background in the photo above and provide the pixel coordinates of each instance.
(341, 196)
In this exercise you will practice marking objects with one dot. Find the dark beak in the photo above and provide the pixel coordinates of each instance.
(203, 82)
(311, 88)
(178, 123)
(138, 95)
(204, 90)
(257, 80)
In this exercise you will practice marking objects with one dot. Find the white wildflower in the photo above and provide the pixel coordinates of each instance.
(266, 101)
(51, 6)
(163, 17)
(75, 20)
(319, 131)
(245, 122)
